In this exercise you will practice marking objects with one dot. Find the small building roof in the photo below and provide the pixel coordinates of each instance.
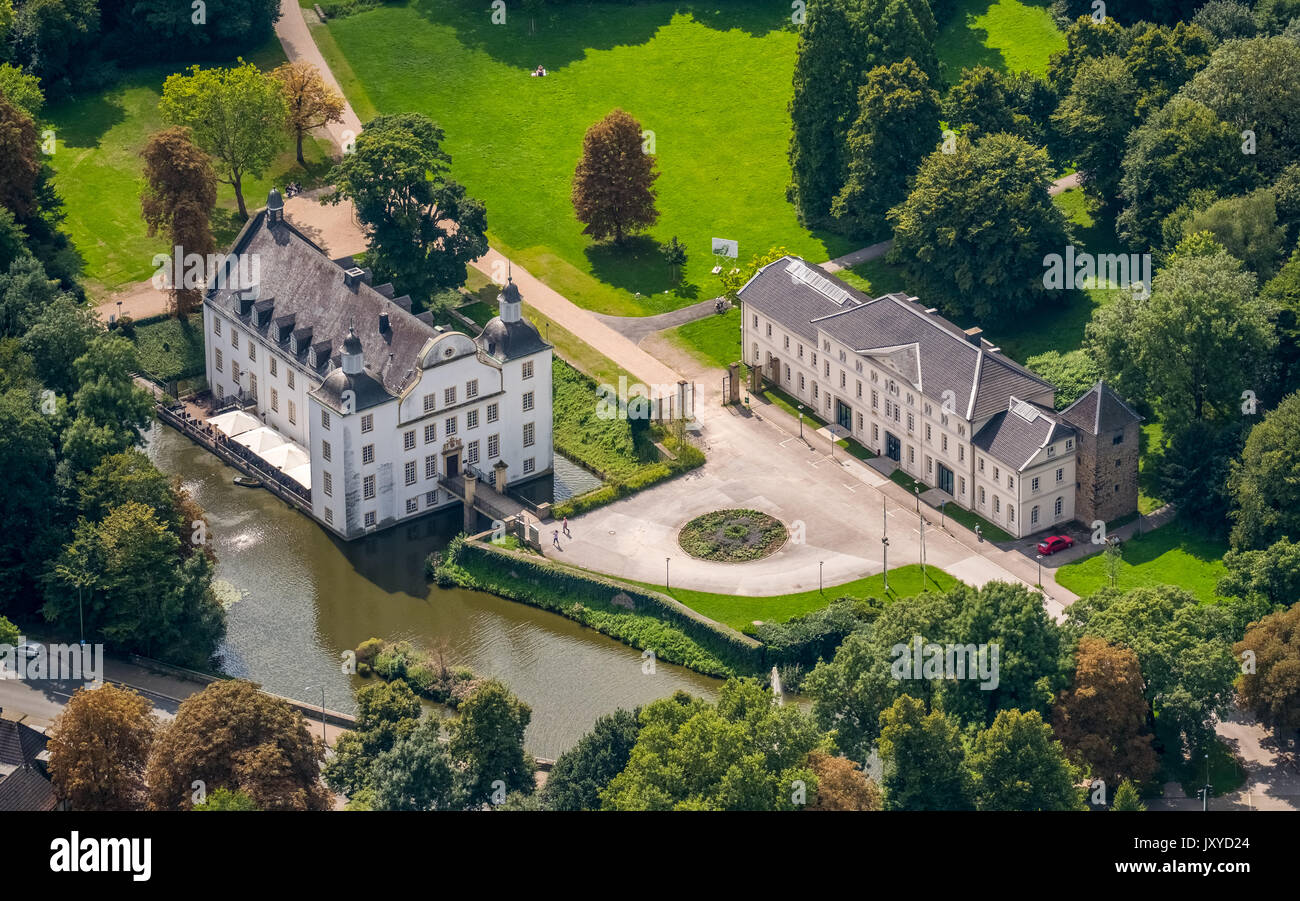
(1100, 410)
(27, 789)
(1017, 434)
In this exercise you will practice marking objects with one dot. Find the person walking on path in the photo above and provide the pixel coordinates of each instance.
(555, 538)
(567, 533)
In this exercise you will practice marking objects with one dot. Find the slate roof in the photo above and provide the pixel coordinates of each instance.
(1100, 410)
(510, 340)
(942, 355)
(19, 744)
(27, 789)
(1016, 434)
(298, 280)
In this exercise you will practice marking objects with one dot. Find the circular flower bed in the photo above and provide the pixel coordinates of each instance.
(732, 536)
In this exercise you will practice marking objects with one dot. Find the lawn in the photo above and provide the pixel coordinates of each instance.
(739, 611)
(97, 171)
(711, 81)
(713, 340)
(876, 277)
(1007, 35)
(170, 349)
(1170, 555)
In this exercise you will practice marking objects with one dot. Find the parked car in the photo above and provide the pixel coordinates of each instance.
(1054, 543)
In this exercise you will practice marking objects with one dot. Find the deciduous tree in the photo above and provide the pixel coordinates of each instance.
(311, 102)
(487, 742)
(99, 746)
(1102, 718)
(423, 228)
(1017, 764)
(1269, 685)
(236, 114)
(232, 735)
(1265, 483)
(974, 230)
(924, 759)
(842, 785)
(19, 174)
(583, 771)
(179, 194)
(613, 187)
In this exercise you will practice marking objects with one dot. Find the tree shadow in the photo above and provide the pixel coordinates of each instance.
(565, 35)
(637, 265)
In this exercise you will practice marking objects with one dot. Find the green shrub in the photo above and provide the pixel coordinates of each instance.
(369, 649)
(640, 618)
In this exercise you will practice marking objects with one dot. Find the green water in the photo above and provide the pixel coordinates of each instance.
(306, 597)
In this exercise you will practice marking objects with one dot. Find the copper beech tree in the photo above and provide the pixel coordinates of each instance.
(98, 749)
(179, 194)
(312, 103)
(613, 187)
(1102, 718)
(233, 736)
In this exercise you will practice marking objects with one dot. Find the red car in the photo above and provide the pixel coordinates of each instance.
(1054, 543)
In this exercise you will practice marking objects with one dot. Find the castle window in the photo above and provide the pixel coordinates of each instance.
(1060, 475)
(1059, 503)
(1033, 515)
(368, 489)
(408, 471)
(370, 519)
(412, 504)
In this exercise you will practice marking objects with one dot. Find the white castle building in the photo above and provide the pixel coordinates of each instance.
(943, 403)
(390, 409)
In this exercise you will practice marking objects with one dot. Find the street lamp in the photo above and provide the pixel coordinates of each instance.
(942, 513)
(1040, 569)
(917, 489)
(1205, 792)
(801, 420)
(666, 559)
(820, 588)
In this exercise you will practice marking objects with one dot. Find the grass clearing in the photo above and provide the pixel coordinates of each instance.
(740, 612)
(1170, 555)
(98, 172)
(711, 81)
(171, 349)
(1006, 35)
(713, 340)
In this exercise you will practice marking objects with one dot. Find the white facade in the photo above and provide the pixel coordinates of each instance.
(931, 438)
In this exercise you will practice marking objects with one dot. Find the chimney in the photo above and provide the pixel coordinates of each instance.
(353, 277)
(974, 334)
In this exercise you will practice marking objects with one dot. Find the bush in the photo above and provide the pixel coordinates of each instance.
(369, 649)
(800, 642)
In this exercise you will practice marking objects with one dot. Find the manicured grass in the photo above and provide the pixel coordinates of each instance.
(711, 80)
(98, 170)
(1007, 35)
(478, 311)
(957, 514)
(713, 340)
(1170, 555)
(607, 445)
(1149, 490)
(739, 611)
(170, 349)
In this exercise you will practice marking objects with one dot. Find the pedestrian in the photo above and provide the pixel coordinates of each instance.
(567, 533)
(555, 537)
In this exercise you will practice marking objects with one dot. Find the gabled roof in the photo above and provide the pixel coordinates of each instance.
(980, 378)
(1017, 434)
(297, 278)
(27, 789)
(1100, 410)
(19, 744)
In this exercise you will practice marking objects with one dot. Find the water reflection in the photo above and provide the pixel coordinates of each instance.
(304, 597)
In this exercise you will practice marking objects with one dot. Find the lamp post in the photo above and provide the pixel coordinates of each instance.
(820, 584)
(884, 542)
(917, 489)
(801, 420)
(1040, 569)
(1205, 792)
(942, 514)
(119, 309)
(666, 559)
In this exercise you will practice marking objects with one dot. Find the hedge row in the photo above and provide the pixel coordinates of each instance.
(640, 618)
(688, 457)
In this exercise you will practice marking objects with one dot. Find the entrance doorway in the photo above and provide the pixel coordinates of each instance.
(945, 478)
(844, 415)
(451, 465)
(893, 447)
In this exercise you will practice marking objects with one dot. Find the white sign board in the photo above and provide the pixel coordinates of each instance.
(726, 248)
